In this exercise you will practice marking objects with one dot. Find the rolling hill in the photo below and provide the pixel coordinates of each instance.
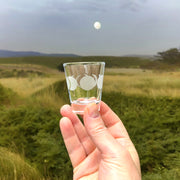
(8, 53)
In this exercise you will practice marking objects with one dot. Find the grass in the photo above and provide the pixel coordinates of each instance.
(55, 62)
(27, 86)
(128, 81)
(163, 175)
(147, 102)
(51, 62)
(26, 79)
(146, 83)
(14, 167)
(46, 98)
(26, 67)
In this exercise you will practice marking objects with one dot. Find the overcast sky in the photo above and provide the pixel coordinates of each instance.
(66, 26)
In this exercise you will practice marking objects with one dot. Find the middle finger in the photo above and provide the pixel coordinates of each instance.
(83, 136)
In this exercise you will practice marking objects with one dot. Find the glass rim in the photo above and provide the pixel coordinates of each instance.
(84, 63)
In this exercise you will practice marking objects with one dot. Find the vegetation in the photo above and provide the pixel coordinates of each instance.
(33, 131)
(56, 62)
(146, 83)
(153, 125)
(148, 103)
(6, 96)
(129, 81)
(163, 175)
(19, 73)
(171, 56)
(166, 60)
(27, 86)
(13, 166)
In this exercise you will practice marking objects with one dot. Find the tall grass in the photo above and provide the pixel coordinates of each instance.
(152, 84)
(14, 167)
(48, 98)
(27, 86)
(128, 81)
(153, 123)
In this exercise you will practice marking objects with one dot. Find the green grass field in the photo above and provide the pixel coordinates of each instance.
(30, 141)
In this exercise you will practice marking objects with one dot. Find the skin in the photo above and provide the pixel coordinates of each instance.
(99, 149)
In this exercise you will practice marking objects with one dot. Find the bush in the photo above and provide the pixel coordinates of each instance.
(34, 131)
(5, 95)
(154, 127)
(163, 175)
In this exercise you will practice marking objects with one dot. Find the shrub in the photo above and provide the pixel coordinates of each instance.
(154, 127)
(34, 131)
(5, 95)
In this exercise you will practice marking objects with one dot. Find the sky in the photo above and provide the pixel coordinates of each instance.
(128, 27)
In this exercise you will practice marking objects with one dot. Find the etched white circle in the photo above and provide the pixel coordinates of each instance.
(87, 83)
(71, 83)
(100, 82)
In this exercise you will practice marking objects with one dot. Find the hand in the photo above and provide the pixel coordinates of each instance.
(101, 148)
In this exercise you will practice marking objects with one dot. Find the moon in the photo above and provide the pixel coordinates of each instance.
(97, 25)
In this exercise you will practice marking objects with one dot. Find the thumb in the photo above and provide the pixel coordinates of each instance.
(98, 132)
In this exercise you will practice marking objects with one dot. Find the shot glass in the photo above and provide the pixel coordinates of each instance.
(84, 82)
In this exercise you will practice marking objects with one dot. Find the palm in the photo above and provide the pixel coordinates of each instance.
(88, 168)
(86, 158)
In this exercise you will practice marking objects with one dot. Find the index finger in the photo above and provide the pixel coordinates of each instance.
(118, 131)
(112, 121)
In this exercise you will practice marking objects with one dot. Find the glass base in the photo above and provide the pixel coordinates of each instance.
(78, 106)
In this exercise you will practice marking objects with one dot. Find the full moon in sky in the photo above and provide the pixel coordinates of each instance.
(97, 25)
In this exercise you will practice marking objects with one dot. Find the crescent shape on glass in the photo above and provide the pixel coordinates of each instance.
(71, 83)
(100, 82)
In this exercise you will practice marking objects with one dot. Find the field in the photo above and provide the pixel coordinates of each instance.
(140, 82)
(31, 146)
(128, 81)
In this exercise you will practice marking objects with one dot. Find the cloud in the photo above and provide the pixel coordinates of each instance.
(133, 5)
(94, 6)
(76, 6)
(69, 6)
(67, 25)
(9, 6)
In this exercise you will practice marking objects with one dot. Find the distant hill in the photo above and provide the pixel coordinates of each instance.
(7, 53)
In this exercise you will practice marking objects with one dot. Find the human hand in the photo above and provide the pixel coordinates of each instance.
(101, 148)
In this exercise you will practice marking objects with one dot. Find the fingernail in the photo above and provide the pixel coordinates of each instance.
(93, 110)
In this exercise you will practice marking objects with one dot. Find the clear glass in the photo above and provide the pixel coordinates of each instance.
(84, 82)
